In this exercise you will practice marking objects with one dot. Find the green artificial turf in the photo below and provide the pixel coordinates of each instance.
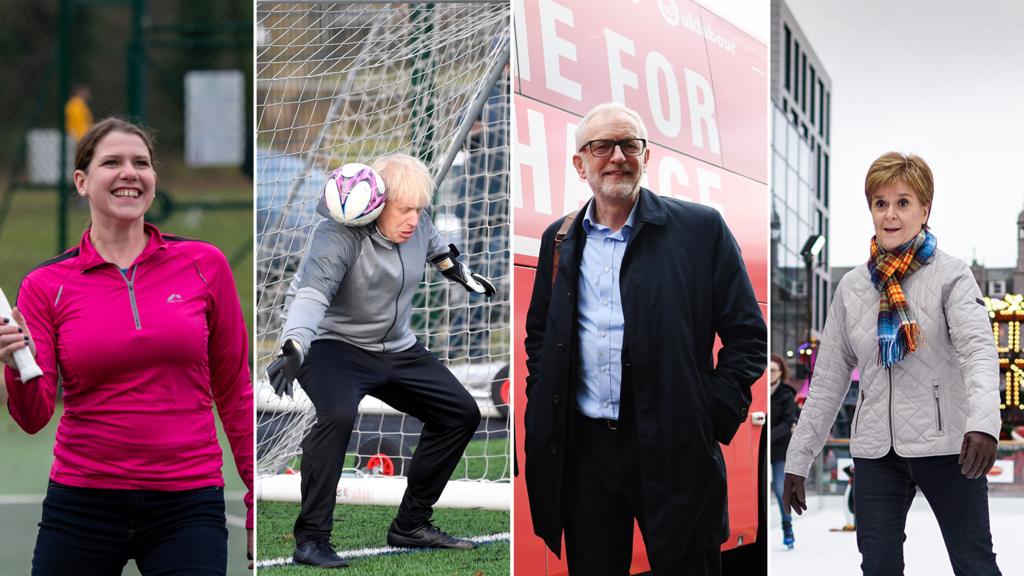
(358, 527)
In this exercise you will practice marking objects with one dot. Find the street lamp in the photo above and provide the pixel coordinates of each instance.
(812, 247)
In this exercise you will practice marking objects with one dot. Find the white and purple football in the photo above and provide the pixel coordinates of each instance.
(355, 194)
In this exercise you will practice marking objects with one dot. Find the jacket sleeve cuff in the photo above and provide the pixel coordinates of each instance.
(988, 423)
(729, 408)
(798, 465)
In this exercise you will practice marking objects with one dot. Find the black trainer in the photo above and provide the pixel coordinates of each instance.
(426, 536)
(318, 553)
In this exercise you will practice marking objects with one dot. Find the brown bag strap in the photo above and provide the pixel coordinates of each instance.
(559, 237)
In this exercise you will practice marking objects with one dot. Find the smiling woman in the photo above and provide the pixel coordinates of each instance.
(114, 171)
(146, 334)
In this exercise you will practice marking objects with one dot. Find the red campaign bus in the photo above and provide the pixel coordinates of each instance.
(700, 85)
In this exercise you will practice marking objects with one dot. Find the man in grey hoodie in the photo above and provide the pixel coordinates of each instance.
(348, 334)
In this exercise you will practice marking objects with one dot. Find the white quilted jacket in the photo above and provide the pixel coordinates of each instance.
(925, 404)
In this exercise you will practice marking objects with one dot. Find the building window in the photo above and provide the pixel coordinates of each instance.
(821, 109)
(828, 117)
(803, 82)
(789, 55)
(796, 71)
(822, 302)
(779, 176)
(814, 100)
(779, 139)
(824, 186)
(817, 173)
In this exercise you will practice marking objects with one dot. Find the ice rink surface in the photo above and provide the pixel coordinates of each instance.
(818, 550)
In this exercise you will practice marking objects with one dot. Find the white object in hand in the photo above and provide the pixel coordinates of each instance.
(27, 367)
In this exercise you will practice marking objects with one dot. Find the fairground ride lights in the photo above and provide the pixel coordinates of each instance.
(1007, 315)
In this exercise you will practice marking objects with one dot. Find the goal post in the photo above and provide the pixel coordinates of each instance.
(347, 82)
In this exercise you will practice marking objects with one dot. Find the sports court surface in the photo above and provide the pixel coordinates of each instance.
(24, 468)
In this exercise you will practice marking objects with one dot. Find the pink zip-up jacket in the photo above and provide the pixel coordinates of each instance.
(142, 354)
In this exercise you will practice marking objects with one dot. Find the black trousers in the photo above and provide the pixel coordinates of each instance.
(336, 376)
(884, 491)
(95, 531)
(603, 495)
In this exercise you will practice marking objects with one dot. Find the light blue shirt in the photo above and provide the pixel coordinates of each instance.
(600, 317)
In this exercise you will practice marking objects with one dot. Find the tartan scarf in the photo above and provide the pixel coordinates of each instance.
(898, 332)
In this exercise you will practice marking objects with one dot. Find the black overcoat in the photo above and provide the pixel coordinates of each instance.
(682, 281)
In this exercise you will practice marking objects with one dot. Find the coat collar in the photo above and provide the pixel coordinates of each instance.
(650, 209)
(90, 258)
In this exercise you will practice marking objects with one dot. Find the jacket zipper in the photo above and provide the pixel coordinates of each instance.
(856, 422)
(938, 407)
(401, 264)
(892, 435)
(131, 295)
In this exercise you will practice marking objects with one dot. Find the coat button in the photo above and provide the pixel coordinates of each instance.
(555, 399)
(553, 448)
(560, 347)
(743, 413)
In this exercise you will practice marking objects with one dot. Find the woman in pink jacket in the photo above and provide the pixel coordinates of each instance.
(145, 332)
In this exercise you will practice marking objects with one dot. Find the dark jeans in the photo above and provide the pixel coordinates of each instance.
(336, 376)
(603, 496)
(884, 490)
(94, 532)
(778, 481)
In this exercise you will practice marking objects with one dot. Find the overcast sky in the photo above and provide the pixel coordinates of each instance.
(944, 80)
(751, 16)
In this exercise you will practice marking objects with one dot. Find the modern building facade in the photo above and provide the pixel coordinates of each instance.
(801, 94)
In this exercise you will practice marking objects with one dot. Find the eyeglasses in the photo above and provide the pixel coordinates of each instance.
(629, 147)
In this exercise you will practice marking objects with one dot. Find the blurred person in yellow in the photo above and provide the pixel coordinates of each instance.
(77, 114)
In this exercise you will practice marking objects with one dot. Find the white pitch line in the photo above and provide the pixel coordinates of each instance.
(385, 551)
(21, 499)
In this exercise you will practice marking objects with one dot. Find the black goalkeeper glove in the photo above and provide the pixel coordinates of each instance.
(283, 370)
(458, 272)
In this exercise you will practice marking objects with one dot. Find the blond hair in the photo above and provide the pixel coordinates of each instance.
(908, 169)
(406, 179)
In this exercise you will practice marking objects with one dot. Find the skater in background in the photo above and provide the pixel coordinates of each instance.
(784, 417)
(912, 321)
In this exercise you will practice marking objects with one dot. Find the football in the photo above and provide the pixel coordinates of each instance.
(355, 194)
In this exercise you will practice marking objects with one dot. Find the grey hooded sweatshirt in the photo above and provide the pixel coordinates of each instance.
(356, 286)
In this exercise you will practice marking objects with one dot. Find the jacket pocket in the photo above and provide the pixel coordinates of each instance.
(856, 418)
(937, 401)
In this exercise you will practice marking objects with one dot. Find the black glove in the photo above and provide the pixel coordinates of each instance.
(458, 272)
(793, 496)
(283, 370)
